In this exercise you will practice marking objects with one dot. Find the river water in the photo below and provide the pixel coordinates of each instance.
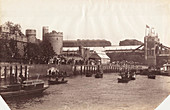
(89, 93)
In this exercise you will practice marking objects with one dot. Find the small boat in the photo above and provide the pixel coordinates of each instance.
(98, 75)
(124, 77)
(132, 77)
(88, 74)
(123, 80)
(152, 72)
(151, 76)
(52, 82)
(29, 87)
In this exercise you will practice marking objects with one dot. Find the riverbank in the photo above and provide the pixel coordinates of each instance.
(40, 70)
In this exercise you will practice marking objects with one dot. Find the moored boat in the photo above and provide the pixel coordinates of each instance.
(88, 74)
(29, 87)
(152, 73)
(151, 76)
(165, 70)
(132, 77)
(98, 75)
(57, 82)
(132, 74)
(123, 80)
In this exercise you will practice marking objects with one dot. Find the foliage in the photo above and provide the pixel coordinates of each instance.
(4, 51)
(39, 53)
(14, 28)
(47, 50)
(13, 48)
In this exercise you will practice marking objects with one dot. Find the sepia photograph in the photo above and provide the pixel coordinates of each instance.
(84, 55)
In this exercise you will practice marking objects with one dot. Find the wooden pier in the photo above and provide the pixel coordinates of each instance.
(108, 68)
(7, 70)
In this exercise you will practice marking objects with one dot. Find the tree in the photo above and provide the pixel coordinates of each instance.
(39, 53)
(14, 28)
(32, 52)
(47, 51)
(4, 50)
(13, 49)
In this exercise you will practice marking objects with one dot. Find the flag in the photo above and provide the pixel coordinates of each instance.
(147, 26)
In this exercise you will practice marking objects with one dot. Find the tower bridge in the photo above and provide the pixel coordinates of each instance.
(155, 53)
(151, 52)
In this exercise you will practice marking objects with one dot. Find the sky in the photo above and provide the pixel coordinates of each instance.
(113, 20)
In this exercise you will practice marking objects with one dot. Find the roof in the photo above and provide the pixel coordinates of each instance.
(102, 55)
(102, 49)
(132, 47)
(70, 48)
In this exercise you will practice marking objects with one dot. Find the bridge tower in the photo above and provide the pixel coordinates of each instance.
(151, 46)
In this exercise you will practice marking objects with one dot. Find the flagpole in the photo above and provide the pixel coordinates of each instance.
(146, 30)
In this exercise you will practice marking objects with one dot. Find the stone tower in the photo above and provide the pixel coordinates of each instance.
(151, 42)
(56, 40)
(44, 31)
(31, 35)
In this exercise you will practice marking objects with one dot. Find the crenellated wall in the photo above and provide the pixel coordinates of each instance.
(56, 40)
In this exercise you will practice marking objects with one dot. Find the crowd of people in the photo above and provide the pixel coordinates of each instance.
(55, 74)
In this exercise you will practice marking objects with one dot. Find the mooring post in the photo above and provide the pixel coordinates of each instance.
(81, 71)
(0, 73)
(88, 69)
(21, 70)
(25, 72)
(94, 69)
(10, 77)
(16, 73)
(74, 69)
(84, 69)
(98, 68)
(5, 71)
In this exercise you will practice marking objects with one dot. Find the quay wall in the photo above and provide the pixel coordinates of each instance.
(33, 70)
(107, 68)
(40, 70)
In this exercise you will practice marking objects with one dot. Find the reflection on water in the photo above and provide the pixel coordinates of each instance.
(20, 102)
(89, 93)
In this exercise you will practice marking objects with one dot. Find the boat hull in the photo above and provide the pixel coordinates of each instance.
(88, 75)
(132, 77)
(124, 80)
(151, 76)
(99, 76)
(56, 82)
(23, 92)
